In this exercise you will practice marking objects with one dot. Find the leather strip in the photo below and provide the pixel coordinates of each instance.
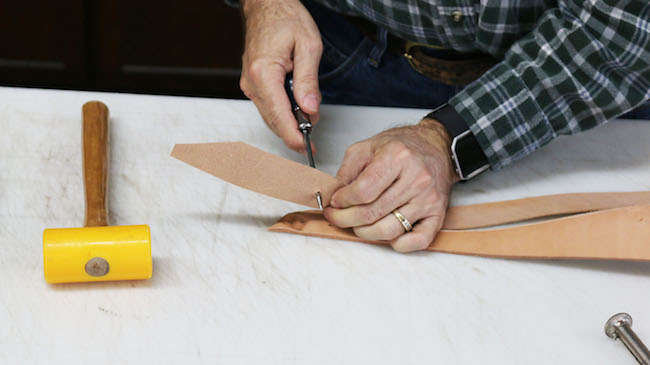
(259, 171)
(262, 172)
(614, 234)
(511, 211)
(621, 233)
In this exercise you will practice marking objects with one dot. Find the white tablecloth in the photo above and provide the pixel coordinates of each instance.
(226, 291)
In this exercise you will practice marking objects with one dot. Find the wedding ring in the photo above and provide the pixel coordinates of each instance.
(405, 222)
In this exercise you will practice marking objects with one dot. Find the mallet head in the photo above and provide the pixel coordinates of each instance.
(97, 254)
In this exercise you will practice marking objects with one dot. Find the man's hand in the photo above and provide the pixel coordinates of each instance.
(408, 169)
(281, 37)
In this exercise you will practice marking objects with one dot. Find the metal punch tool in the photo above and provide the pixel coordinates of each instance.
(620, 326)
(304, 125)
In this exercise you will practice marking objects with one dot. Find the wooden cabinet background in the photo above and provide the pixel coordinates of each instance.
(164, 47)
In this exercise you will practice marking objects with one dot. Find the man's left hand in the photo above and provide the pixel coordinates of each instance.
(406, 168)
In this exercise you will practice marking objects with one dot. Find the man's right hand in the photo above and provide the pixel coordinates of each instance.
(281, 37)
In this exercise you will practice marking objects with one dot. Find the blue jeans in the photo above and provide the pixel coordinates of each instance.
(356, 70)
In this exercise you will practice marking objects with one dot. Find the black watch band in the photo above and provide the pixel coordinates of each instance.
(466, 154)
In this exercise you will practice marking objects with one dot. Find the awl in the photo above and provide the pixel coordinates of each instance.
(304, 125)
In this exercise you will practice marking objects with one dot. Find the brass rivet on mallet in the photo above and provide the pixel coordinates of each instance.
(97, 267)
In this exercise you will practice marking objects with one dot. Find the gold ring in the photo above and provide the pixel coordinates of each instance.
(402, 219)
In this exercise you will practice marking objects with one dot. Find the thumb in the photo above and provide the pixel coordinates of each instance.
(305, 76)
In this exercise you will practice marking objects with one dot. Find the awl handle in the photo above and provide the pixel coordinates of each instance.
(304, 123)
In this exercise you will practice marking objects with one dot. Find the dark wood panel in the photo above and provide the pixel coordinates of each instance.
(146, 46)
(42, 42)
(169, 46)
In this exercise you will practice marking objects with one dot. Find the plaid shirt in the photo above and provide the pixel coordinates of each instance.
(568, 65)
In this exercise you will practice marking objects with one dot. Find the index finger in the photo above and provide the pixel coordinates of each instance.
(371, 182)
(274, 106)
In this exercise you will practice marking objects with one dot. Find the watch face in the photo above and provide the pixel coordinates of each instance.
(466, 152)
(470, 156)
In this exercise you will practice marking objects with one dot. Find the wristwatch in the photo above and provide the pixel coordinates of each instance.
(466, 154)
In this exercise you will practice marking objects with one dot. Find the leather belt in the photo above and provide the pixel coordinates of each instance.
(437, 63)
(454, 69)
(616, 225)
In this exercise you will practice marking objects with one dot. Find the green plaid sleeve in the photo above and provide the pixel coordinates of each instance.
(586, 62)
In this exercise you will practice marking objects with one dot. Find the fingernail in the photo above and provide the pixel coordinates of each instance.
(326, 212)
(311, 102)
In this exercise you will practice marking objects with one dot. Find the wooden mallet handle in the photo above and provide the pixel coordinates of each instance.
(95, 162)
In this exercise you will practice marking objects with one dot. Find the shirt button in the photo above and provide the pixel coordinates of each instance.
(457, 15)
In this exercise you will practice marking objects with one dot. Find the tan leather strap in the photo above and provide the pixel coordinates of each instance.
(256, 170)
(622, 233)
(614, 234)
(262, 172)
(510, 211)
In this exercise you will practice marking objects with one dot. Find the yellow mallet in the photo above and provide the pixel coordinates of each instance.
(96, 252)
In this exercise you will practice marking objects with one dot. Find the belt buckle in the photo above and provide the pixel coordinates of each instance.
(408, 45)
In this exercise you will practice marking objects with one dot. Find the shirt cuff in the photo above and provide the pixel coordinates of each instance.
(503, 115)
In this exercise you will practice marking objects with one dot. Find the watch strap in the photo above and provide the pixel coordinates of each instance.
(450, 119)
(467, 154)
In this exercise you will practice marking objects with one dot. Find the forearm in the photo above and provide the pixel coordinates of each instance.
(582, 65)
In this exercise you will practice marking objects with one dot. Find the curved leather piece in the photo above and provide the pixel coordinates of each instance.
(268, 174)
(614, 234)
(259, 171)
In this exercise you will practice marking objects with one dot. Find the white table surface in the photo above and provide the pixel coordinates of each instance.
(226, 291)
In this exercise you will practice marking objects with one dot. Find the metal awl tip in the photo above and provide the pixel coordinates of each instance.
(319, 200)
